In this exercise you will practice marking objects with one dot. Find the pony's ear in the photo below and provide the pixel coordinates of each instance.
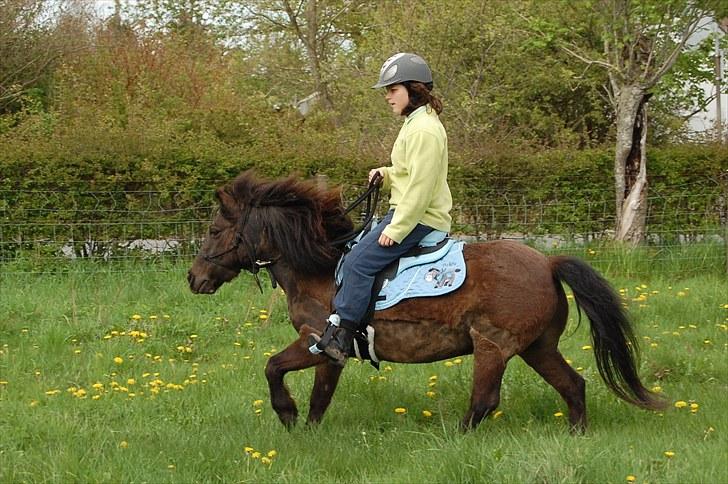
(227, 202)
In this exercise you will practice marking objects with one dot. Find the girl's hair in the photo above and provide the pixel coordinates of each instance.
(420, 94)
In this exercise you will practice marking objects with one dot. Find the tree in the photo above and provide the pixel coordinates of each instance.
(34, 37)
(641, 42)
(321, 27)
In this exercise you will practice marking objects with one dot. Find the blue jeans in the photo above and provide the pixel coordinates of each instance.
(363, 263)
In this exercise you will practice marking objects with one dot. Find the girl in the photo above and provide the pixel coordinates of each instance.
(419, 200)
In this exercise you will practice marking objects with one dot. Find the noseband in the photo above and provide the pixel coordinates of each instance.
(255, 264)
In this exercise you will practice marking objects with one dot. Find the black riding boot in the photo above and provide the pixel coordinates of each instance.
(337, 341)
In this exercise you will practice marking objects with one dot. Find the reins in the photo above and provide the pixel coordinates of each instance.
(372, 198)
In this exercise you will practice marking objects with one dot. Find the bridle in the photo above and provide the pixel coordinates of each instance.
(255, 263)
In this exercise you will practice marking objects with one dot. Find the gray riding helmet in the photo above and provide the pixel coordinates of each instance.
(403, 67)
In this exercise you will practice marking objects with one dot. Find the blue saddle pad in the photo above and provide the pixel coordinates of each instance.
(432, 278)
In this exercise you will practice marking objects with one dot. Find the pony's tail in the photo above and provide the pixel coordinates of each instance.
(615, 345)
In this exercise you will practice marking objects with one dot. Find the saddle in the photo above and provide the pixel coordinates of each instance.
(434, 267)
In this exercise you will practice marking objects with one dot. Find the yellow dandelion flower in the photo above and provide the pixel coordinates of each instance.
(430, 394)
(257, 403)
(657, 389)
(400, 410)
(433, 378)
(118, 360)
(136, 317)
(255, 455)
(681, 404)
(123, 444)
(96, 397)
(559, 414)
(694, 407)
(248, 449)
(266, 461)
(680, 294)
(131, 381)
(272, 453)
(586, 347)
(426, 413)
(263, 317)
(631, 478)
(193, 336)
(669, 454)
(497, 414)
(448, 364)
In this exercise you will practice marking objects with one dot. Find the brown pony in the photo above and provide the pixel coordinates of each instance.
(512, 302)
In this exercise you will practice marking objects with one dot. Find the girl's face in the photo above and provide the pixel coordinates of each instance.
(397, 97)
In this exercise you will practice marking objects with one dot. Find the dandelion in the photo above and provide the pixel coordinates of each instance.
(430, 394)
(123, 444)
(497, 414)
(131, 381)
(680, 294)
(255, 455)
(448, 364)
(586, 347)
(694, 407)
(248, 450)
(257, 403)
(559, 414)
(669, 454)
(272, 453)
(426, 413)
(266, 461)
(52, 392)
(433, 378)
(136, 317)
(657, 389)
(118, 360)
(681, 404)
(400, 410)
(631, 478)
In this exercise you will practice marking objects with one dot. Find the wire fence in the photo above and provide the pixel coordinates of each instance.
(44, 230)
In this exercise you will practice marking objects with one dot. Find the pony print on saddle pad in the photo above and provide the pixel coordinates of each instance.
(429, 278)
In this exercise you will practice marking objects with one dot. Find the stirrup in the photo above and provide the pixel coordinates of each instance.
(319, 344)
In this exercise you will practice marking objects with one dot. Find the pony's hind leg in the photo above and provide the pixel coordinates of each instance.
(488, 367)
(544, 357)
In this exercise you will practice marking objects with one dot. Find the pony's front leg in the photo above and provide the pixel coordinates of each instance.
(295, 357)
(327, 377)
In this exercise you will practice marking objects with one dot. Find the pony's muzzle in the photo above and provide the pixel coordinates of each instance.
(199, 285)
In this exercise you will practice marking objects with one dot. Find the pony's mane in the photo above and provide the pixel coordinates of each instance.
(297, 217)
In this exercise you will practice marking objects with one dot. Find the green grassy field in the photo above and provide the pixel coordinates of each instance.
(127, 377)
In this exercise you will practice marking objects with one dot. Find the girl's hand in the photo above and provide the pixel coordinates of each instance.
(372, 172)
(385, 241)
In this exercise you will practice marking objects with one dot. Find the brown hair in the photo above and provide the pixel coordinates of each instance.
(420, 94)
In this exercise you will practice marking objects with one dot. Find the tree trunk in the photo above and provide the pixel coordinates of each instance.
(630, 165)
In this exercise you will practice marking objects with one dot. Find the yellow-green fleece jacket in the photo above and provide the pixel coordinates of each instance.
(417, 179)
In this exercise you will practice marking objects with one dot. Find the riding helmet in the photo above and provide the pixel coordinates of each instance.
(404, 67)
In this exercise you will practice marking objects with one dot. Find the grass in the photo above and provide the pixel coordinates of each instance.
(187, 395)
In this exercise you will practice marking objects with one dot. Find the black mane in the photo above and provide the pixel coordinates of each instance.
(296, 217)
